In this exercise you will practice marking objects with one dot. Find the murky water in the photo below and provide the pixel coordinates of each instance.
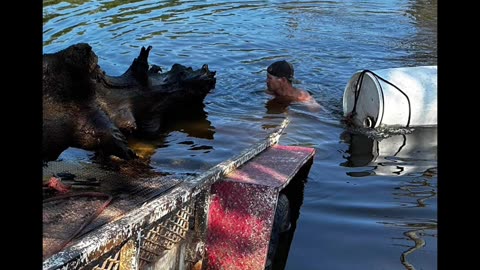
(369, 201)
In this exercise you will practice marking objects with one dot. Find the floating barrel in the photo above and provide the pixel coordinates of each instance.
(401, 97)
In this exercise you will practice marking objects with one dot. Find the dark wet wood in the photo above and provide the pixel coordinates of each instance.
(85, 108)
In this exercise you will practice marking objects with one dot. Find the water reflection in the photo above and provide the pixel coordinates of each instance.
(277, 110)
(412, 153)
(419, 242)
(422, 189)
(416, 233)
(395, 155)
(418, 193)
(193, 123)
(277, 106)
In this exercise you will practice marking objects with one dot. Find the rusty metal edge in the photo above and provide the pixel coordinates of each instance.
(113, 234)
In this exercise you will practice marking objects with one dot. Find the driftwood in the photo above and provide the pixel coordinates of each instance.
(85, 108)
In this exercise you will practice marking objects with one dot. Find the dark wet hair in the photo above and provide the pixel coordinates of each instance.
(281, 69)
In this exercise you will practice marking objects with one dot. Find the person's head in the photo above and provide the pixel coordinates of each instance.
(278, 74)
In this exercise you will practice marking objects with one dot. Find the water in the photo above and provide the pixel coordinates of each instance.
(370, 199)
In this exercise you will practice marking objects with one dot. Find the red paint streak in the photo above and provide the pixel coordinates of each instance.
(240, 221)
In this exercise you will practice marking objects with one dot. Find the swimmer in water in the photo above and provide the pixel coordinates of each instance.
(279, 84)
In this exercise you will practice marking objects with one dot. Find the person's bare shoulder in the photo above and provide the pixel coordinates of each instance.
(309, 101)
(312, 105)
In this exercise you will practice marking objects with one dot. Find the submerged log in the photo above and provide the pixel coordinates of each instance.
(85, 108)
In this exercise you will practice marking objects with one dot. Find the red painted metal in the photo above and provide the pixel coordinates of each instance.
(274, 167)
(240, 222)
(243, 205)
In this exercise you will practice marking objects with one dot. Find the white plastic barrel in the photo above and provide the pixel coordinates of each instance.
(400, 97)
